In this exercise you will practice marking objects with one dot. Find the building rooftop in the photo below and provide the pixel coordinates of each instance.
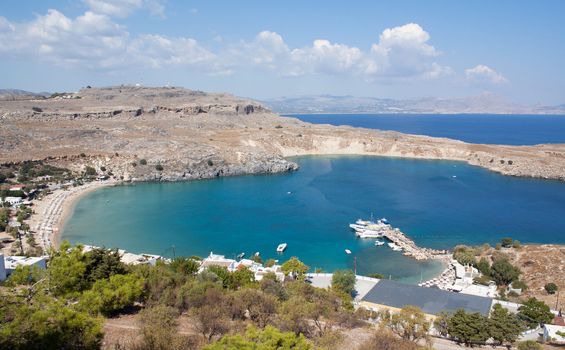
(430, 300)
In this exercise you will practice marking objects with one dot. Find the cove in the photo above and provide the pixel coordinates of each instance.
(437, 203)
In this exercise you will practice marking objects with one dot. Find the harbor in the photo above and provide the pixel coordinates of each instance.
(398, 241)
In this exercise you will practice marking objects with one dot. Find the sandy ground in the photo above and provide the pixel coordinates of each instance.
(51, 212)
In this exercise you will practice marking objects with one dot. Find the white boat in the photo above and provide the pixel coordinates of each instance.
(357, 226)
(347, 251)
(281, 247)
(369, 234)
(364, 222)
(394, 247)
(379, 243)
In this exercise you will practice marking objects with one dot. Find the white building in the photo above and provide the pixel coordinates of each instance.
(13, 201)
(233, 265)
(11, 262)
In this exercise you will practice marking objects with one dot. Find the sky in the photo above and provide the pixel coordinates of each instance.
(266, 49)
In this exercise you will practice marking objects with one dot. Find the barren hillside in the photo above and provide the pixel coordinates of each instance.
(193, 134)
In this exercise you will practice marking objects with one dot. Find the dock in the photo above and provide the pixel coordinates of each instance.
(406, 245)
(409, 247)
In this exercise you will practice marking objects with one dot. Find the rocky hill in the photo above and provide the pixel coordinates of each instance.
(182, 134)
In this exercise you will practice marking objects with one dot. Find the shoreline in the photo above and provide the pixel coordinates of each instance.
(51, 212)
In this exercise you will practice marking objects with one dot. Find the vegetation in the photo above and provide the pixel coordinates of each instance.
(551, 288)
(410, 324)
(529, 345)
(269, 338)
(468, 328)
(64, 306)
(535, 312)
(89, 171)
(294, 267)
(143, 161)
(504, 327)
(385, 340)
(159, 167)
(343, 281)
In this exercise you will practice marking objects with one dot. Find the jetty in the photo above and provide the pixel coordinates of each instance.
(399, 240)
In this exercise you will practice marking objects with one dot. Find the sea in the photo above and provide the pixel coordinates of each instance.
(439, 204)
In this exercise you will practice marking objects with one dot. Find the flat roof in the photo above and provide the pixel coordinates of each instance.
(430, 300)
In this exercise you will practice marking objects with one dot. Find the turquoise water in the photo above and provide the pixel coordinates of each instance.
(256, 213)
(474, 128)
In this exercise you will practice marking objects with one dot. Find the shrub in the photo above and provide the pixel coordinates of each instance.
(210, 162)
(143, 161)
(159, 167)
(529, 345)
(102, 168)
(278, 127)
(506, 242)
(89, 171)
(551, 288)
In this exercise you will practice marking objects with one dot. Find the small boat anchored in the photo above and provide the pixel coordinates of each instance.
(347, 251)
(379, 243)
(281, 247)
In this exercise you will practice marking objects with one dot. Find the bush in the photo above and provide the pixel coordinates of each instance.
(551, 288)
(506, 242)
(159, 167)
(102, 168)
(89, 171)
(529, 345)
(143, 161)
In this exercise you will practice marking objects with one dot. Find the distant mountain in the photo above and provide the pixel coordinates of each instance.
(18, 95)
(483, 103)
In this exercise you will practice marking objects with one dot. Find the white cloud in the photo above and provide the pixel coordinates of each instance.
(124, 8)
(93, 40)
(402, 52)
(484, 74)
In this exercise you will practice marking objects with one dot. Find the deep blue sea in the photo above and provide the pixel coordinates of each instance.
(437, 203)
(481, 128)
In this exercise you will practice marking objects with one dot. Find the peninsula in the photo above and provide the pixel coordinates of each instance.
(169, 134)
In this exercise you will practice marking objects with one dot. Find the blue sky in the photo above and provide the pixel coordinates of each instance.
(264, 49)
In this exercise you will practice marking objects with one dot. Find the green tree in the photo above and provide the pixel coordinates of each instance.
(534, 312)
(468, 328)
(47, 323)
(269, 338)
(551, 288)
(410, 324)
(242, 277)
(25, 275)
(503, 272)
(484, 267)
(295, 267)
(504, 327)
(187, 266)
(260, 307)
(102, 263)
(66, 271)
(343, 281)
(112, 295)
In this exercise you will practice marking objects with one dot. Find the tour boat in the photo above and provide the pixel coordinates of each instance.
(281, 247)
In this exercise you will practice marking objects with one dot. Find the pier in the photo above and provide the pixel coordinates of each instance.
(408, 247)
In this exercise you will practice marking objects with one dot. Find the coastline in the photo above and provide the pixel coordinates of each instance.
(52, 211)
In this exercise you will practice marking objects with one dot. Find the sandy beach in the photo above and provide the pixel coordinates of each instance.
(52, 211)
